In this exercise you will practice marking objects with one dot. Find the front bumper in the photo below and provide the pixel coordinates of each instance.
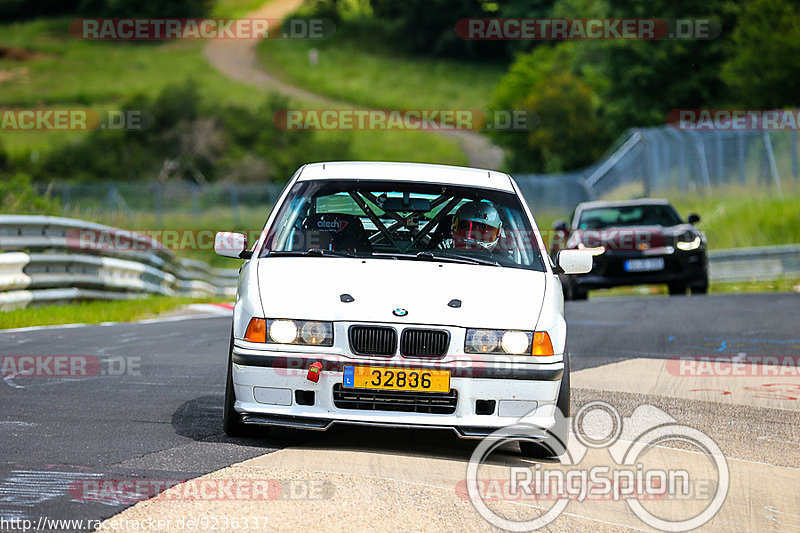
(271, 388)
(690, 268)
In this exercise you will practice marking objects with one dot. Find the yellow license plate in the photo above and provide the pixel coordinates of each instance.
(389, 378)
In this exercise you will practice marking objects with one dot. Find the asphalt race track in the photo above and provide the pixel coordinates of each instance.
(151, 410)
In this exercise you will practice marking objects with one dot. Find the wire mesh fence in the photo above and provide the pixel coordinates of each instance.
(647, 161)
(642, 162)
(108, 200)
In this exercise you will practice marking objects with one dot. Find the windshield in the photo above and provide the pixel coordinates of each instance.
(631, 215)
(404, 220)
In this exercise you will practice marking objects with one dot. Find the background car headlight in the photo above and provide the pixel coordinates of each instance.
(694, 244)
(511, 342)
(283, 331)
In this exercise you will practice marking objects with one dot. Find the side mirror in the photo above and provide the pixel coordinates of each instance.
(693, 218)
(560, 225)
(234, 245)
(574, 261)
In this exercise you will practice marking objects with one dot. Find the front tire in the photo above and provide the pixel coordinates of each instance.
(232, 423)
(574, 292)
(677, 289)
(701, 288)
(557, 439)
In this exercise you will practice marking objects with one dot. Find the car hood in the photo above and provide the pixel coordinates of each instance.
(311, 288)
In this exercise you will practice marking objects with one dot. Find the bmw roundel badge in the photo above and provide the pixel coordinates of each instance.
(399, 312)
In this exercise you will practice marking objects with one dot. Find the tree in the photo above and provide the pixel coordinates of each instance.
(651, 77)
(567, 130)
(763, 67)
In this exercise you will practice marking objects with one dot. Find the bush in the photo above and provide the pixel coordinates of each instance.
(188, 138)
(568, 132)
(19, 197)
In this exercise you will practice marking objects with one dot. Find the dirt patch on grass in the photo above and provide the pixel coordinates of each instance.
(16, 53)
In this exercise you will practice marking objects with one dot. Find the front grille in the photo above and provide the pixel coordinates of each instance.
(387, 400)
(424, 342)
(373, 340)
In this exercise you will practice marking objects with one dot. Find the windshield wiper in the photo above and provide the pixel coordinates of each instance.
(453, 258)
(314, 252)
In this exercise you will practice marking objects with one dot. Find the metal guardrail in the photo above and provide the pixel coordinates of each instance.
(45, 261)
(765, 263)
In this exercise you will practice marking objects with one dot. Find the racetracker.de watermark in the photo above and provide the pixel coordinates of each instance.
(170, 29)
(120, 240)
(404, 119)
(126, 491)
(734, 366)
(72, 120)
(560, 29)
(734, 119)
(68, 366)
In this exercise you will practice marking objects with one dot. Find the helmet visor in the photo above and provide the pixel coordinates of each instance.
(470, 230)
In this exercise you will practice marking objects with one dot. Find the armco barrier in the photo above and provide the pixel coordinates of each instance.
(40, 263)
(765, 263)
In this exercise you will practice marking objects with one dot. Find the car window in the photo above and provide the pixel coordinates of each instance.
(638, 215)
(399, 220)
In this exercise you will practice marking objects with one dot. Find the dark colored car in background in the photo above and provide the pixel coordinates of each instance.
(642, 241)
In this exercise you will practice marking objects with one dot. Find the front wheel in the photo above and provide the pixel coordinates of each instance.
(574, 292)
(555, 443)
(677, 289)
(701, 288)
(232, 423)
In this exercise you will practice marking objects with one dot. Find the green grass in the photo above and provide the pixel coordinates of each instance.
(96, 312)
(235, 8)
(355, 68)
(740, 217)
(99, 75)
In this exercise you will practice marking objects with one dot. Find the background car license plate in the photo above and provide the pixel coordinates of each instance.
(644, 265)
(390, 378)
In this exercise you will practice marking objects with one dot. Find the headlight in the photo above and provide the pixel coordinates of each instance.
(689, 245)
(482, 341)
(511, 342)
(315, 333)
(282, 331)
(515, 342)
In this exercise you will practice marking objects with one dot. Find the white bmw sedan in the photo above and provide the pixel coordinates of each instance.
(402, 295)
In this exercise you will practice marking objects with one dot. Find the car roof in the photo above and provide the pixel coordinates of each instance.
(417, 172)
(622, 203)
